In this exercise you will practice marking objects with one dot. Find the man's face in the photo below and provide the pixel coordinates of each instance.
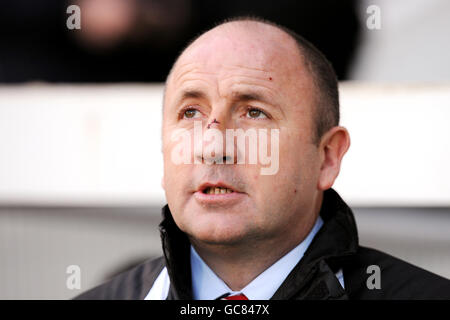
(248, 79)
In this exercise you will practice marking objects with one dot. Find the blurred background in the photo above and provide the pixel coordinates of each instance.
(80, 113)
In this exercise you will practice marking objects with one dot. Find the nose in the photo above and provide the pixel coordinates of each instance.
(218, 119)
(212, 123)
(213, 145)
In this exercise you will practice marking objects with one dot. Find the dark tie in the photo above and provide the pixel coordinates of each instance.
(226, 296)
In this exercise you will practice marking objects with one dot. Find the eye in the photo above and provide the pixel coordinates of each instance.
(190, 113)
(255, 113)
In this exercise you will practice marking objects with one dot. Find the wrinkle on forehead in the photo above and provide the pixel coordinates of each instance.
(230, 80)
(245, 50)
(265, 44)
(226, 71)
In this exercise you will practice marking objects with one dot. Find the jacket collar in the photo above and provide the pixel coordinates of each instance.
(332, 247)
(313, 277)
(176, 249)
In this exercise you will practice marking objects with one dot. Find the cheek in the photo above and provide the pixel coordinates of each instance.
(176, 180)
(298, 162)
(176, 177)
(291, 154)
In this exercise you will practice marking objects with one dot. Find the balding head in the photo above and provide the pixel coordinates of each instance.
(287, 46)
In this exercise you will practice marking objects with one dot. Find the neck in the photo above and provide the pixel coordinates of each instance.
(238, 264)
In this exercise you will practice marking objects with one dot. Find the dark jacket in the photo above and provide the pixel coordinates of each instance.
(334, 247)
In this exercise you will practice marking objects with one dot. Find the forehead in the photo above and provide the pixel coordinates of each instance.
(255, 51)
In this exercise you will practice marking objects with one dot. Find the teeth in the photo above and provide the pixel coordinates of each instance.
(217, 190)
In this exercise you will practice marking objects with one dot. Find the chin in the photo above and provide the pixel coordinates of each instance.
(221, 241)
(218, 233)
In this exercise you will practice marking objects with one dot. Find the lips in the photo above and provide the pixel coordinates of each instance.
(216, 188)
(218, 194)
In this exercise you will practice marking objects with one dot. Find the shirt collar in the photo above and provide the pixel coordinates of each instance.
(206, 285)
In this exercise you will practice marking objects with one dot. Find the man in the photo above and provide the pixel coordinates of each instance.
(231, 232)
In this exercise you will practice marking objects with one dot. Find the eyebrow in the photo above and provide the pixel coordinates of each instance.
(196, 94)
(237, 96)
(250, 96)
(190, 94)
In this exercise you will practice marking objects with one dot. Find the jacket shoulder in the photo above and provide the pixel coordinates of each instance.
(398, 279)
(133, 284)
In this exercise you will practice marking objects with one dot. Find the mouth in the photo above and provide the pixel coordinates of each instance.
(218, 194)
(217, 190)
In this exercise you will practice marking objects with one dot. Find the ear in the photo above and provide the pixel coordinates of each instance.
(333, 145)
